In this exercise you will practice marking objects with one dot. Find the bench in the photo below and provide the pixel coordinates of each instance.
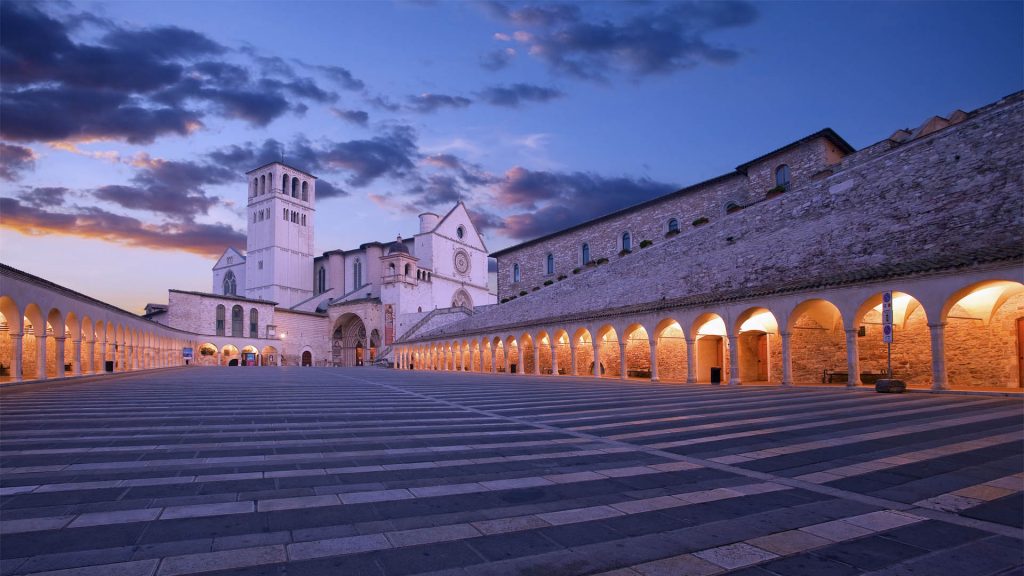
(829, 376)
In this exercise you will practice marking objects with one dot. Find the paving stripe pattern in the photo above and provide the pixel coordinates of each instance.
(371, 471)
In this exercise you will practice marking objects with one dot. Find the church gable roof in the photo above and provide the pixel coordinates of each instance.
(459, 215)
(222, 262)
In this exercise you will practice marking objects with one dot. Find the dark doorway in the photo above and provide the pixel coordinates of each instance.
(307, 358)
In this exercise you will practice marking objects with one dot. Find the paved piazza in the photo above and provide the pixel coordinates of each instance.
(371, 471)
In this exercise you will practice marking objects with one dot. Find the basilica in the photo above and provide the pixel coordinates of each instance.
(280, 303)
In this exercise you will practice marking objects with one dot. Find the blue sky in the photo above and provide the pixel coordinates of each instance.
(126, 127)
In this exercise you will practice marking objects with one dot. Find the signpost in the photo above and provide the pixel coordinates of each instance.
(887, 327)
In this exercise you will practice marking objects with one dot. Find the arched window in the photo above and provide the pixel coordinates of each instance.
(673, 225)
(731, 207)
(460, 232)
(220, 320)
(515, 273)
(462, 299)
(391, 269)
(253, 216)
(418, 275)
(305, 191)
(285, 214)
(254, 323)
(782, 176)
(550, 264)
(230, 286)
(263, 184)
(627, 242)
(321, 280)
(284, 184)
(295, 187)
(236, 320)
(303, 219)
(407, 267)
(357, 273)
(255, 187)
(585, 253)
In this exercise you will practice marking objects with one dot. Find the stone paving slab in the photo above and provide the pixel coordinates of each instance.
(367, 471)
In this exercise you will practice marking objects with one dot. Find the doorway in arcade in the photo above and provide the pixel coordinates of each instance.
(351, 345)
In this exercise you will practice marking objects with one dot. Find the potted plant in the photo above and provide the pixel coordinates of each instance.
(645, 243)
(700, 221)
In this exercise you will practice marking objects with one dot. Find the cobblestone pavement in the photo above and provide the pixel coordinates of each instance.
(305, 471)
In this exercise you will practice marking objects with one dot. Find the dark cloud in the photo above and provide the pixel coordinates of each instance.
(203, 239)
(436, 190)
(354, 116)
(556, 200)
(470, 174)
(241, 159)
(172, 189)
(132, 84)
(484, 220)
(47, 196)
(325, 190)
(427, 103)
(340, 76)
(497, 59)
(14, 160)
(660, 39)
(515, 94)
(49, 114)
(391, 154)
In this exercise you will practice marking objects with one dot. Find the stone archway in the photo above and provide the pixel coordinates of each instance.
(349, 341)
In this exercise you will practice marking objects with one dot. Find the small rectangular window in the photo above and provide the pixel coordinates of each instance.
(260, 264)
(303, 219)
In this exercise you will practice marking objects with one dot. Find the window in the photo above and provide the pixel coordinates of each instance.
(284, 184)
(585, 252)
(253, 216)
(673, 225)
(460, 232)
(407, 270)
(263, 184)
(305, 191)
(551, 264)
(627, 242)
(220, 320)
(321, 280)
(391, 269)
(303, 219)
(255, 187)
(295, 187)
(285, 214)
(357, 273)
(254, 321)
(515, 273)
(236, 320)
(260, 264)
(782, 176)
(231, 259)
(731, 207)
(230, 286)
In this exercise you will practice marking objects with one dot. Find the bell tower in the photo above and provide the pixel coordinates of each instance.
(279, 239)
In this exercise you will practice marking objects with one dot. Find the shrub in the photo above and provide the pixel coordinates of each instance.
(700, 221)
(575, 270)
(563, 276)
(775, 191)
(522, 292)
(645, 243)
(549, 282)
(600, 261)
(535, 288)
(503, 300)
(623, 252)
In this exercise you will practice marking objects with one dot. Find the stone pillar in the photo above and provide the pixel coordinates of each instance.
(218, 358)
(76, 361)
(536, 358)
(622, 359)
(508, 361)
(597, 358)
(852, 359)
(940, 380)
(734, 360)
(691, 366)
(279, 358)
(654, 359)
(105, 351)
(494, 359)
(787, 359)
(572, 358)
(129, 360)
(41, 357)
(17, 352)
(554, 359)
(59, 353)
(91, 350)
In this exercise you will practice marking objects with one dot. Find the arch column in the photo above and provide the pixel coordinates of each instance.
(691, 369)
(41, 356)
(76, 361)
(536, 358)
(852, 359)
(494, 358)
(940, 380)
(104, 350)
(596, 345)
(734, 360)
(654, 359)
(787, 359)
(17, 350)
(572, 358)
(508, 363)
(59, 353)
(554, 358)
(622, 358)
